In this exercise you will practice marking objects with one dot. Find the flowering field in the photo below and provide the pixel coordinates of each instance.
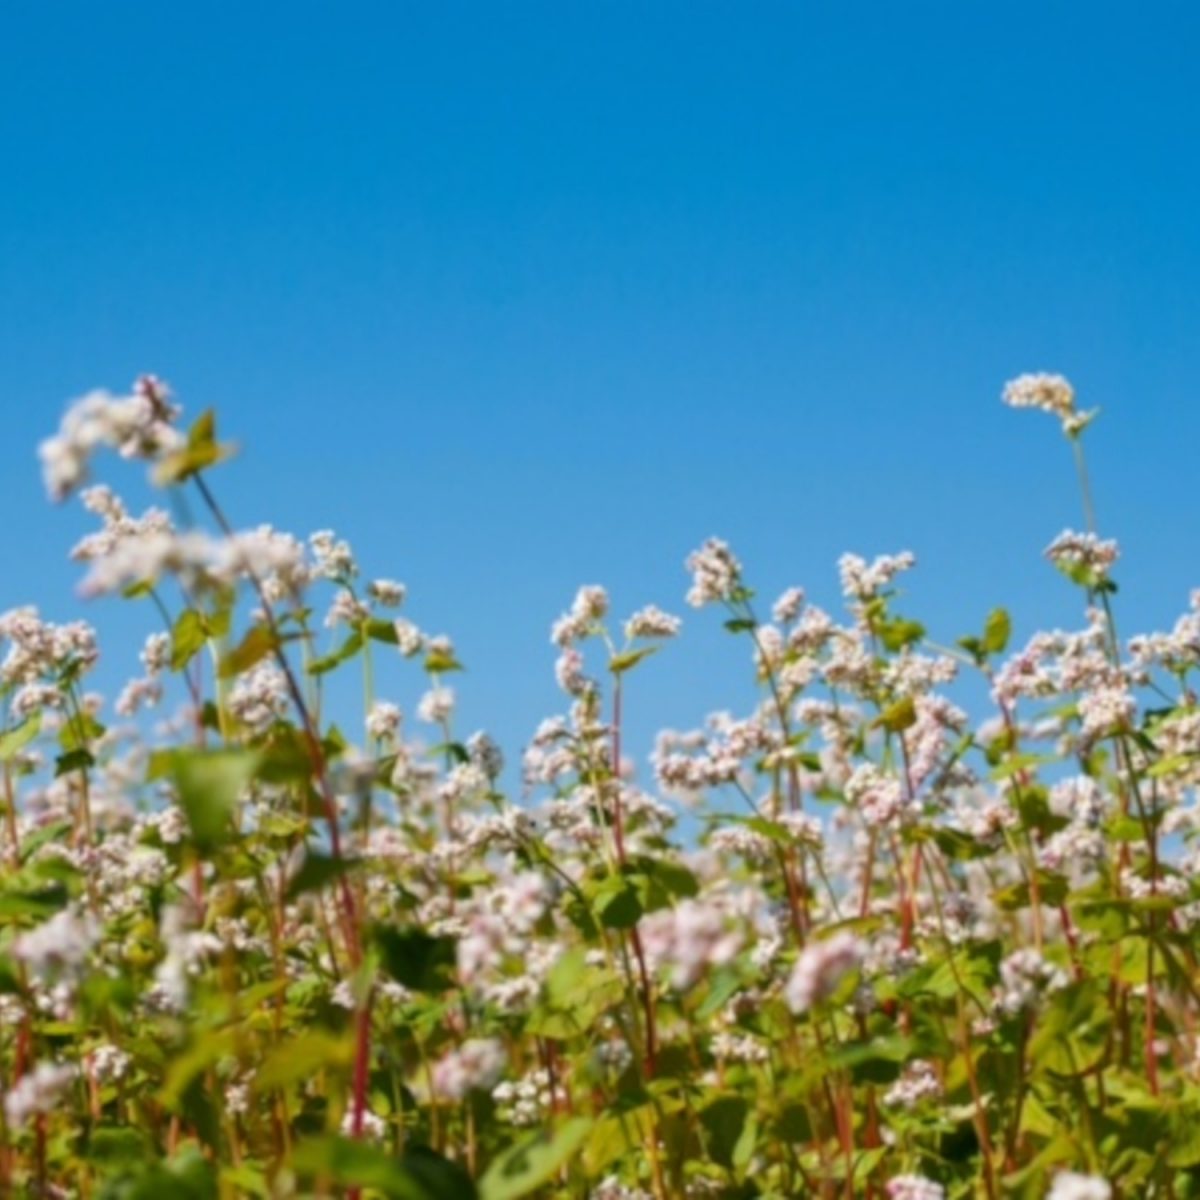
(251, 947)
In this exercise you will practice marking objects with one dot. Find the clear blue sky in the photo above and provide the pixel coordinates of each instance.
(520, 296)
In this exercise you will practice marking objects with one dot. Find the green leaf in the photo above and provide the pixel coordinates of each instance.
(188, 636)
(16, 739)
(78, 731)
(530, 1163)
(317, 871)
(32, 903)
(258, 642)
(898, 716)
(997, 630)
(619, 663)
(73, 760)
(418, 960)
(741, 625)
(303, 1057)
(898, 633)
(419, 1174)
(201, 451)
(615, 901)
(349, 648)
(209, 783)
(724, 1121)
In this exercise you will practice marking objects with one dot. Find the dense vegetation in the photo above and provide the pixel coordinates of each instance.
(907, 952)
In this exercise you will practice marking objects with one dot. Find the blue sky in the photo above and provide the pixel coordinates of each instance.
(522, 296)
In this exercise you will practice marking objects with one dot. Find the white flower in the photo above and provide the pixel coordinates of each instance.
(476, 1065)
(820, 968)
(59, 946)
(436, 706)
(651, 622)
(1049, 393)
(914, 1187)
(383, 721)
(1070, 1185)
(37, 1092)
(387, 592)
(715, 573)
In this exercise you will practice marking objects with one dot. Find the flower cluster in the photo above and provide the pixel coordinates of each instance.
(916, 921)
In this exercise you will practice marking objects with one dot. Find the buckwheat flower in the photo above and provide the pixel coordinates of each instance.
(568, 672)
(475, 1066)
(918, 1082)
(787, 608)
(373, 1125)
(259, 697)
(861, 581)
(136, 695)
(346, 609)
(820, 968)
(485, 754)
(383, 721)
(409, 639)
(387, 592)
(611, 1188)
(1026, 976)
(108, 1062)
(436, 705)
(38, 1092)
(1070, 1185)
(145, 559)
(914, 1187)
(156, 653)
(590, 604)
(1071, 549)
(334, 558)
(136, 426)
(651, 622)
(689, 939)
(1049, 393)
(878, 798)
(715, 573)
(237, 1098)
(1106, 709)
(57, 947)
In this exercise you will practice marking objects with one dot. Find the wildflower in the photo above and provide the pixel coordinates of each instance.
(861, 581)
(1025, 976)
(334, 558)
(387, 592)
(108, 1062)
(1071, 550)
(914, 1187)
(346, 609)
(1070, 1185)
(651, 622)
(486, 754)
(136, 426)
(917, 1083)
(436, 705)
(787, 608)
(1105, 709)
(878, 797)
(409, 639)
(820, 968)
(38, 1092)
(373, 1125)
(715, 573)
(383, 721)
(259, 697)
(689, 939)
(476, 1065)
(59, 946)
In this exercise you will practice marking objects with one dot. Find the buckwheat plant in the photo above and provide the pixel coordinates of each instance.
(252, 947)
